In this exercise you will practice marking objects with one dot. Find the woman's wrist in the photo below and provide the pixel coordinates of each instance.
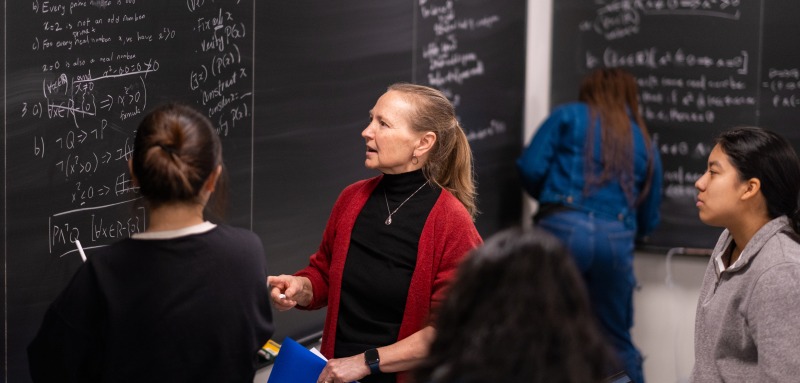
(372, 360)
(306, 293)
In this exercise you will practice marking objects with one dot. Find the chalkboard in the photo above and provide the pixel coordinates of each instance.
(703, 67)
(474, 52)
(288, 85)
(80, 75)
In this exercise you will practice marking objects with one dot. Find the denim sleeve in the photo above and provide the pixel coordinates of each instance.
(534, 163)
(649, 212)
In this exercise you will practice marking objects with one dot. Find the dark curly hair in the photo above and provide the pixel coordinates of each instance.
(517, 311)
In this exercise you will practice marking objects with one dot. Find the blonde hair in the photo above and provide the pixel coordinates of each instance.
(449, 162)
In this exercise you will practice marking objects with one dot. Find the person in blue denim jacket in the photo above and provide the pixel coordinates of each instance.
(596, 175)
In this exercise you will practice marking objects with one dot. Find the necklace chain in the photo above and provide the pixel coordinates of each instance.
(391, 212)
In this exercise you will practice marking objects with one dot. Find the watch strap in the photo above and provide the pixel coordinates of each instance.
(372, 359)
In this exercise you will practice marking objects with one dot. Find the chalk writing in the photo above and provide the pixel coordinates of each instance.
(622, 18)
(495, 128)
(783, 87)
(100, 65)
(218, 82)
(654, 58)
(449, 63)
(95, 226)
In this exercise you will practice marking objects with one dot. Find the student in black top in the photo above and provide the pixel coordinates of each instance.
(184, 301)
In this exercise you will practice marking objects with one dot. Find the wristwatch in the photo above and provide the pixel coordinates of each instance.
(373, 360)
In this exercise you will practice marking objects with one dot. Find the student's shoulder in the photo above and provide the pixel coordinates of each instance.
(235, 240)
(783, 247)
(237, 244)
(571, 108)
(776, 271)
(114, 251)
(777, 260)
(236, 235)
(569, 113)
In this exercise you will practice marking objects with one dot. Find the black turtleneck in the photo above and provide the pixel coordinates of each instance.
(380, 262)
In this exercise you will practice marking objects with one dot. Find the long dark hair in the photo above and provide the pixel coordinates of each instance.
(612, 96)
(175, 151)
(517, 312)
(763, 154)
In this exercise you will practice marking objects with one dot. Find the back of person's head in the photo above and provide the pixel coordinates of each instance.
(610, 89)
(517, 311)
(175, 151)
(612, 96)
(765, 155)
(449, 163)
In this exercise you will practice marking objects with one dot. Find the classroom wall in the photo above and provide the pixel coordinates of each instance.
(664, 307)
(669, 287)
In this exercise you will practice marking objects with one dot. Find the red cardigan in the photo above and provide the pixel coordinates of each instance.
(447, 236)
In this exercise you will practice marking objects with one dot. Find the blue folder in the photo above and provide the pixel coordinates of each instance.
(295, 364)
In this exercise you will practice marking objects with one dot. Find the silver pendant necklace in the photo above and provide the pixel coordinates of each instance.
(391, 212)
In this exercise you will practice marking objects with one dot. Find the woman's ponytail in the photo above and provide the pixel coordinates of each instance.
(449, 163)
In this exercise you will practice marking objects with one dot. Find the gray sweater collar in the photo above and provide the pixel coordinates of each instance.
(753, 247)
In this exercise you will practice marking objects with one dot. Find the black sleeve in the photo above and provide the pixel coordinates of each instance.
(67, 347)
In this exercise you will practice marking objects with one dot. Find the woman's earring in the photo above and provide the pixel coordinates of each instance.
(414, 159)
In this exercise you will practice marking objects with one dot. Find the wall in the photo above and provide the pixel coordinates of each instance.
(668, 287)
(664, 313)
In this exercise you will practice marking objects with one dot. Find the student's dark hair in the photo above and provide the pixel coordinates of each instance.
(517, 311)
(175, 151)
(763, 154)
(612, 96)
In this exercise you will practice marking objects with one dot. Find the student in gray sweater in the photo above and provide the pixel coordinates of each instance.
(748, 316)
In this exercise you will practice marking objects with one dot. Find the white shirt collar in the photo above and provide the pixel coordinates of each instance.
(177, 233)
(720, 263)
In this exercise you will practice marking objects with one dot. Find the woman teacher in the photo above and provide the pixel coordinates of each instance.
(392, 242)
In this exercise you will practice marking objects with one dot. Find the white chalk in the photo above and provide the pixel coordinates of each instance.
(282, 296)
(80, 249)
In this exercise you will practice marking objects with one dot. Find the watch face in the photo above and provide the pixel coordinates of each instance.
(373, 360)
(371, 356)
